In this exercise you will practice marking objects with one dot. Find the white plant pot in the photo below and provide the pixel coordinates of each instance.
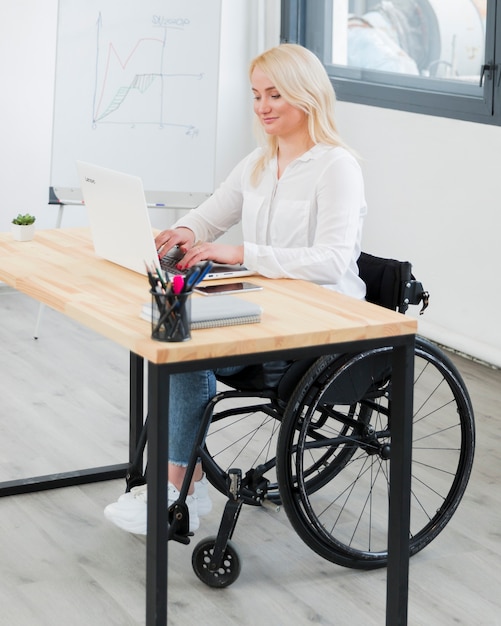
(23, 232)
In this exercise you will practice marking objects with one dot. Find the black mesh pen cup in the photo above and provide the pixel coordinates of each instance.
(171, 316)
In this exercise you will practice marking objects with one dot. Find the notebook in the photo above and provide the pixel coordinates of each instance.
(120, 222)
(213, 312)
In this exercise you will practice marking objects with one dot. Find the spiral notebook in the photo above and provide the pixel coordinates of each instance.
(215, 311)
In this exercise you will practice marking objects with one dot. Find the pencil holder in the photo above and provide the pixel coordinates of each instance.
(171, 316)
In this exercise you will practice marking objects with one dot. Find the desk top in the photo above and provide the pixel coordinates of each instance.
(60, 269)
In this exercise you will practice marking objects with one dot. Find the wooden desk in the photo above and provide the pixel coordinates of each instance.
(300, 319)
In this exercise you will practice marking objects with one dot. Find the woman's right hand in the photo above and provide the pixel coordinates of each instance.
(182, 237)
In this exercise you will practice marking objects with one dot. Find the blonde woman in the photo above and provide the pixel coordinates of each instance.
(300, 200)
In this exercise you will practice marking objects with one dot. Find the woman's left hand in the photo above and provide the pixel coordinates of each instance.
(218, 252)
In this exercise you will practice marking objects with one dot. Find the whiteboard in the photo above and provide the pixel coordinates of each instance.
(136, 90)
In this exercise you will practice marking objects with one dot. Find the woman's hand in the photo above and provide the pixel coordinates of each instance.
(184, 238)
(218, 252)
(167, 239)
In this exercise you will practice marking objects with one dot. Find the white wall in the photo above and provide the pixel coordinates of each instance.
(432, 183)
(433, 190)
(27, 65)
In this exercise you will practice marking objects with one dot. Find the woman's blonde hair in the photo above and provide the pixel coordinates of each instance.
(302, 81)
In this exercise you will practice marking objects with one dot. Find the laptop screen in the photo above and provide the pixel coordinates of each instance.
(120, 222)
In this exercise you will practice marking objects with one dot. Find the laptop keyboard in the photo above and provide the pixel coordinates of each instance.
(168, 264)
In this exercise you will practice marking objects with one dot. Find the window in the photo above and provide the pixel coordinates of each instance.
(428, 56)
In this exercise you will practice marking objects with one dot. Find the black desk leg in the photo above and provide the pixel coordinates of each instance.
(156, 540)
(397, 577)
(136, 403)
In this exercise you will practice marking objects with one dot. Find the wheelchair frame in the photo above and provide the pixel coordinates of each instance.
(335, 430)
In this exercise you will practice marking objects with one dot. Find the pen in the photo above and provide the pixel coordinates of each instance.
(191, 278)
(163, 282)
(156, 289)
(205, 268)
(151, 278)
(164, 315)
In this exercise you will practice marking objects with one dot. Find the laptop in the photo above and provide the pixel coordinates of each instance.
(120, 223)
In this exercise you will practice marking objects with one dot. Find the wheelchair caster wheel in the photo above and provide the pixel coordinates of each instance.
(225, 574)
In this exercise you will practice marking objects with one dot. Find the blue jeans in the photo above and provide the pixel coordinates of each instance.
(189, 394)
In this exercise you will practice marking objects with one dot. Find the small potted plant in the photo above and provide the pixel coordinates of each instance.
(23, 227)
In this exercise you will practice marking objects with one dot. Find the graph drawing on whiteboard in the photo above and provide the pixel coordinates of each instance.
(135, 88)
(136, 91)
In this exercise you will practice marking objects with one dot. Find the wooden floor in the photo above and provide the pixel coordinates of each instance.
(64, 406)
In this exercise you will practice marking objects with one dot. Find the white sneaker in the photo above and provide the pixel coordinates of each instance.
(130, 511)
(204, 503)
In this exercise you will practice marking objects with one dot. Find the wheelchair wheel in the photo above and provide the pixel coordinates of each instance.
(335, 442)
(246, 437)
(222, 576)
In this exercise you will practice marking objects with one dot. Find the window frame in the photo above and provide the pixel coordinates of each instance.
(306, 23)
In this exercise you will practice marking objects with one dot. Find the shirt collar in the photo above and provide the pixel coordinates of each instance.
(311, 154)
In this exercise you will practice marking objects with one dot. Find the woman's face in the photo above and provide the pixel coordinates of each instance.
(277, 116)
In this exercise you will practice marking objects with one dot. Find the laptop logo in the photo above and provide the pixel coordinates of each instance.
(90, 180)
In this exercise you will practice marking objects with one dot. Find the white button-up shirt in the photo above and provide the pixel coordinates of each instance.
(307, 224)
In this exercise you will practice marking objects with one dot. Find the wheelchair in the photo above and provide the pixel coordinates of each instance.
(318, 443)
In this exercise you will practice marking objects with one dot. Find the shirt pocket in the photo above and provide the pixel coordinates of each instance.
(290, 223)
(253, 210)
